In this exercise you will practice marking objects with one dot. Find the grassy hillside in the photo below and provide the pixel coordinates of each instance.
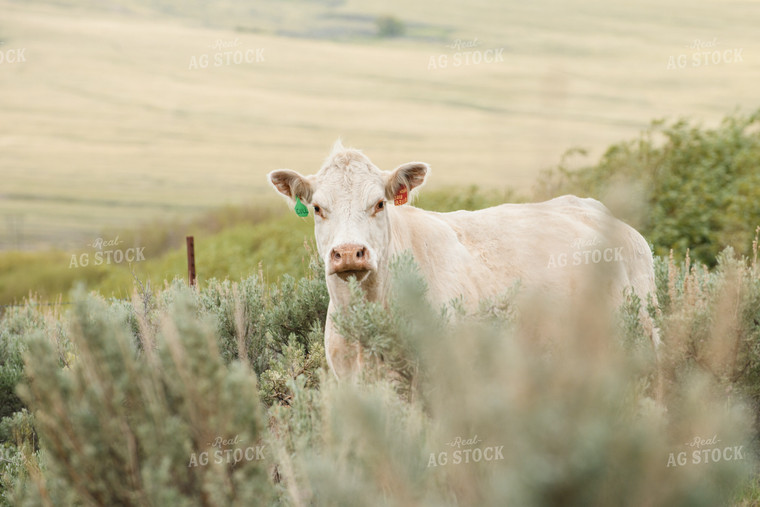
(230, 243)
(106, 124)
(238, 251)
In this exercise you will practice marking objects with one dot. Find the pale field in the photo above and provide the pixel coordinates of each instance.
(105, 124)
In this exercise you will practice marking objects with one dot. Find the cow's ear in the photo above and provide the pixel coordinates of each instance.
(409, 175)
(291, 184)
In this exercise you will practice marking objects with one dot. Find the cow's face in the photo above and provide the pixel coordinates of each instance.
(351, 200)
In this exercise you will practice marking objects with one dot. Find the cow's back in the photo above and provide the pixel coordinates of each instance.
(554, 246)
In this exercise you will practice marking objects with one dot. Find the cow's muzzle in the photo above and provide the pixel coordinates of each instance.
(349, 260)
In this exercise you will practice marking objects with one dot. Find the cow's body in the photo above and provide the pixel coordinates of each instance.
(551, 248)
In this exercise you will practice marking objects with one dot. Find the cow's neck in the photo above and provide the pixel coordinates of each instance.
(374, 287)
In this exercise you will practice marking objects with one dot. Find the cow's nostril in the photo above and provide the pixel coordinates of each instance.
(360, 253)
(336, 256)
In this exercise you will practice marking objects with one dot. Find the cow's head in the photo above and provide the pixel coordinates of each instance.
(352, 200)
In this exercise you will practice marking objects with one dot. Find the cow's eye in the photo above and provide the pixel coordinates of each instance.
(318, 211)
(379, 206)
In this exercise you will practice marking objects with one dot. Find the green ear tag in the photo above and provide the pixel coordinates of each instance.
(301, 209)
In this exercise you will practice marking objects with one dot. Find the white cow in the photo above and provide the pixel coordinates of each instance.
(547, 246)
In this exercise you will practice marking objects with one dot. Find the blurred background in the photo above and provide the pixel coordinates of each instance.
(154, 119)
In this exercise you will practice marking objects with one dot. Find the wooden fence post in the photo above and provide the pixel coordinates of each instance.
(191, 280)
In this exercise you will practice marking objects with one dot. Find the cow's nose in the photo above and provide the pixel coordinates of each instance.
(349, 257)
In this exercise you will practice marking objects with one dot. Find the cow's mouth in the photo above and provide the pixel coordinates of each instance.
(359, 274)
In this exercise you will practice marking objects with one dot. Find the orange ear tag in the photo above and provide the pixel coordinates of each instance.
(401, 197)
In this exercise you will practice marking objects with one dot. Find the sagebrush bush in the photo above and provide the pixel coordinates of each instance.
(275, 330)
(121, 428)
(278, 329)
(573, 419)
(712, 323)
(124, 398)
(16, 324)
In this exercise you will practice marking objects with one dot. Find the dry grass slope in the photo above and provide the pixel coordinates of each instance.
(105, 123)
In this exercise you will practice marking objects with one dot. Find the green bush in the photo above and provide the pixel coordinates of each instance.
(389, 26)
(700, 186)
